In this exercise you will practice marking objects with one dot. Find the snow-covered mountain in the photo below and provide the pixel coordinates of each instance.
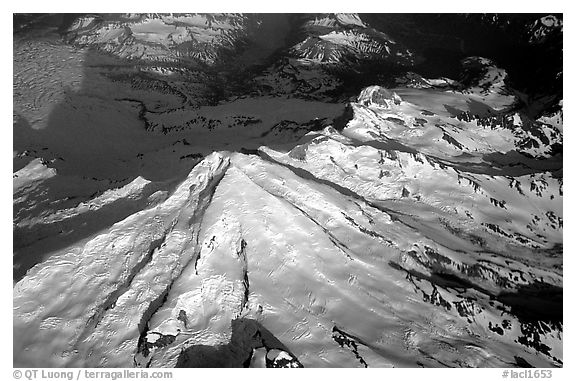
(161, 38)
(338, 38)
(187, 193)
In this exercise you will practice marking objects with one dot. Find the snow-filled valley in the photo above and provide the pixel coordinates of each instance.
(168, 214)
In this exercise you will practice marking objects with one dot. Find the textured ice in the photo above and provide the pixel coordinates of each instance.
(419, 225)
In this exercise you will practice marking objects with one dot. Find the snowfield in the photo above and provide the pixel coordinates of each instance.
(411, 226)
(246, 238)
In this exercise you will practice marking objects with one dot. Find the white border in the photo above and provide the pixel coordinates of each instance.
(302, 6)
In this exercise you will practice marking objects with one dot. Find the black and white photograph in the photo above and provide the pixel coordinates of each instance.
(287, 190)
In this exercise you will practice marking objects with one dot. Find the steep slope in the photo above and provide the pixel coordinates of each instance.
(161, 38)
(188, 193)
(257, 241)
(341, 251)
(345, 39)
(156, 243)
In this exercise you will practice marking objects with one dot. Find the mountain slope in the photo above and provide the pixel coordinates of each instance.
(187, 193)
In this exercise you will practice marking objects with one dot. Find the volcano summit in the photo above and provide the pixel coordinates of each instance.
(288, 190)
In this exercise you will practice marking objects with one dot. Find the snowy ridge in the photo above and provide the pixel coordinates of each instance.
(112, 260)
(162, 38)
(339, 19)
(343, 38)
(266, 258)
(541, 28)
(484, 78)
(416, 81)
(231, 190)
(216, 280)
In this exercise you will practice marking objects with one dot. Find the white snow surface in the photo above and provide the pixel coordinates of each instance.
(315, 259)
(403, 238)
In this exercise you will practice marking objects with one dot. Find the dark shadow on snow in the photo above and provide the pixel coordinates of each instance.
(247, 335)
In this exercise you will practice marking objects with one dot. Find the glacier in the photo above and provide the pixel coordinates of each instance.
(164, 218)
